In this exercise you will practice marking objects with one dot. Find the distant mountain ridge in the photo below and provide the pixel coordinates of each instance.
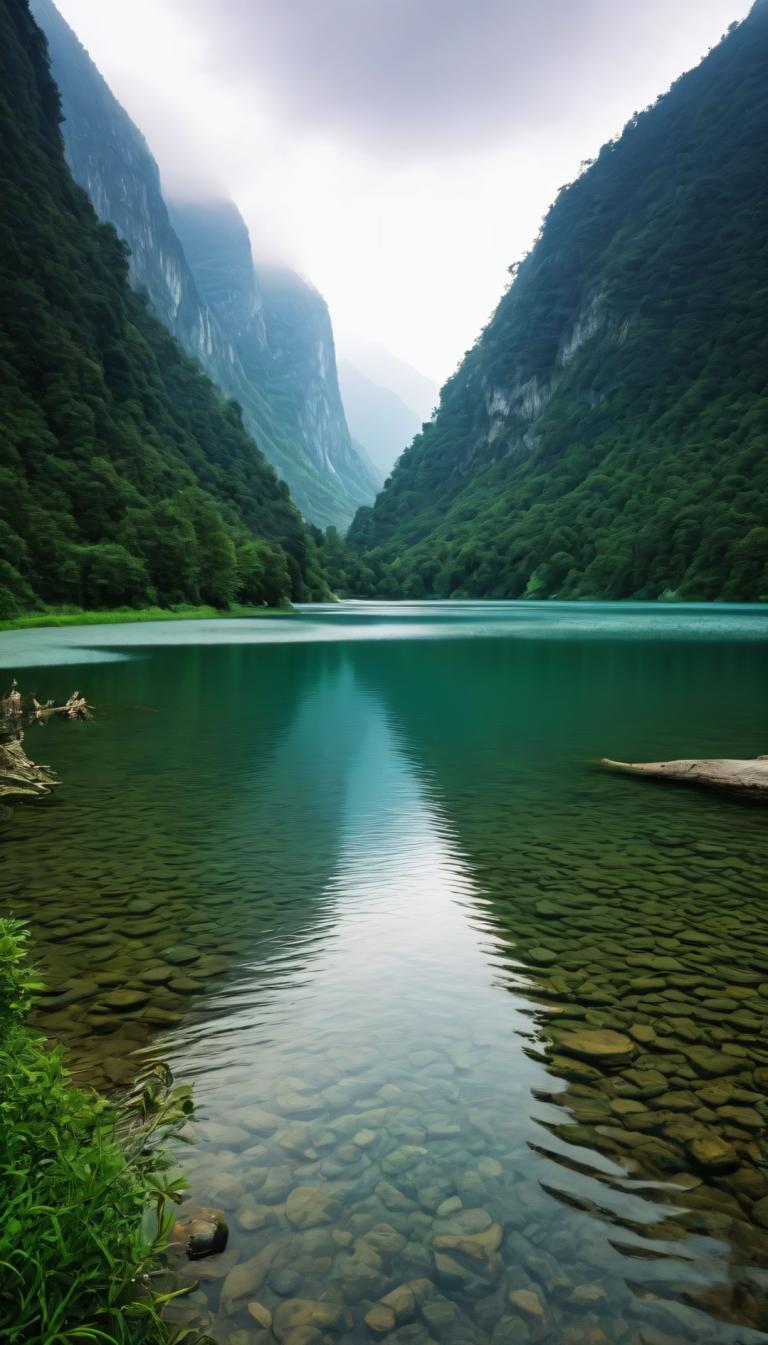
(110, 158)
(606, 436)
(377, 417)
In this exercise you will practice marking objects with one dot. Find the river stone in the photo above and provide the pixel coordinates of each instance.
(380, 1319)
(597, 1044)
(386, 1240)
(247, 1277)
(183, 985)
(285, 1282)
(260, 1314)
(760, 1212)
(310, 1206)
(713, 1153)
(157, 975)
(203, 1233)
(527, 1303)
(181, 954)
(125, 999)
(402, 1302)
(294, 1313)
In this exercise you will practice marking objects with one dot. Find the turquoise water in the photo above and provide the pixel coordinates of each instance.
(369, 889)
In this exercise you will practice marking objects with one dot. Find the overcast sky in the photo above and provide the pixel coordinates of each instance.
(400, 153)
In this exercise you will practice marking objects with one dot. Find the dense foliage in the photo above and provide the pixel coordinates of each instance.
(606, 436)
(76, 1246)
(124, 476)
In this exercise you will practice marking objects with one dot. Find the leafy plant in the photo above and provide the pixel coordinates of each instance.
(86, 1188)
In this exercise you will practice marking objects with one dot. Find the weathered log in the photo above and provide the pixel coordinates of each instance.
(20, 777)
(747, 776)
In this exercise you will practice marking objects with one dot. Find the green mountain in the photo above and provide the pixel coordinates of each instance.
(211, 298)
(124, 475)
(280, 329)
(606, 435)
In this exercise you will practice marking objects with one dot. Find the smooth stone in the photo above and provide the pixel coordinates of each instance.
(260, 1314)
(310, 1206)
(125, 1000)
(203, 1233)
(713, 1153)
(247, 1277)
(285, 1282)
(603, 1044)
(527, 1303)
(760, 1212)
(181, 954)
(294, 1313)
(184, 985)
(157, 975)
(380, 1319)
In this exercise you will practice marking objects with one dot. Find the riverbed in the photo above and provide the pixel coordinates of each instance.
(477, 1031)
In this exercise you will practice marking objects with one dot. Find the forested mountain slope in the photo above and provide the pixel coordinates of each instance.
(606, 436)
(280, 328)
(110, 158)
(124, 475)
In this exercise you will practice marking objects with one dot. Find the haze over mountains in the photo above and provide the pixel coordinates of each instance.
(125, 476)
(275, 358)
(606, 435)
(385, 421)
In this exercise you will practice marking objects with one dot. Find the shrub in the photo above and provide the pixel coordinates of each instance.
(85, 1195)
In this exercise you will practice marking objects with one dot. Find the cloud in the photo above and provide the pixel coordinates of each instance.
(416, 77)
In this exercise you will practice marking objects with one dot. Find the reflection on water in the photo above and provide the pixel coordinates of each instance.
(477, 1032)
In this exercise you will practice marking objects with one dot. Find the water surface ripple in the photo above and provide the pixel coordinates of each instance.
(355, 874)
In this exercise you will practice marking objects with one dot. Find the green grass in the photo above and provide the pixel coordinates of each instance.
(86, 1190)
(72, 616)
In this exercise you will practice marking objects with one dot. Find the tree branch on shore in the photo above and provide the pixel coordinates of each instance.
(20, 777)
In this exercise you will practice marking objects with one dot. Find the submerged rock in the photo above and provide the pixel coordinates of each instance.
(597, 1044)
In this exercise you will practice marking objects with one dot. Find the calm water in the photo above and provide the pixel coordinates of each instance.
(370, 893)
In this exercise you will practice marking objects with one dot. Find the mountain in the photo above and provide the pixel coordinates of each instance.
(213, 307)
(125, 477)
(281, 330)
(605, 437)
(377, 417)
(378, 364)
(111, 160)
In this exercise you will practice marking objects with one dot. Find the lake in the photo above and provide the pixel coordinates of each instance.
(467, 1017)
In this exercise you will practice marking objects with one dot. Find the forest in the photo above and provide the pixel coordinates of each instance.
(605, 437)
(125, 476)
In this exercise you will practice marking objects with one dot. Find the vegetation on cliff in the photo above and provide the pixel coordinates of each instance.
(605, 437)
(125, 478)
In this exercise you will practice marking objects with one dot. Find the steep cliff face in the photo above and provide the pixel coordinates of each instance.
(110, 158)
(125, 476)
(213, 307)
(605, 437)
(281, 330)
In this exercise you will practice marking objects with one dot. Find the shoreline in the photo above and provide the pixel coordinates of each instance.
(127, 615)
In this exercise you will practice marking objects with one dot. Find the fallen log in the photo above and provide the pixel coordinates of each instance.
(20, 777)
(748, 776)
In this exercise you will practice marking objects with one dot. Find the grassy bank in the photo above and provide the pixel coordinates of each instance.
(71, 616)
(85, 1189)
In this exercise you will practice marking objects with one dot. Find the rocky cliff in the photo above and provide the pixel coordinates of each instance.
(213, 307)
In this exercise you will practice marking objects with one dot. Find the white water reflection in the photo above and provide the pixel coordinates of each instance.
(345, 621)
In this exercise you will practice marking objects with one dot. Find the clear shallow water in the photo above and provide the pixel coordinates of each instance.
(365, 881)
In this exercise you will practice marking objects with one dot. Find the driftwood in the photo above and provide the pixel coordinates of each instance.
(748, 777)
(20, 777)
